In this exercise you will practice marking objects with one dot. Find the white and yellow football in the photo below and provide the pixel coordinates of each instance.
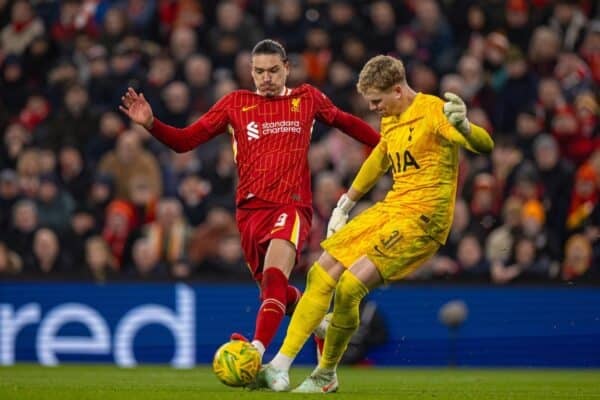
(236, 363)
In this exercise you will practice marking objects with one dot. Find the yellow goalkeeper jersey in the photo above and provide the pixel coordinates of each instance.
(421, 148)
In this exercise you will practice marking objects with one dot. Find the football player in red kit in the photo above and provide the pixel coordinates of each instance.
(271, 131)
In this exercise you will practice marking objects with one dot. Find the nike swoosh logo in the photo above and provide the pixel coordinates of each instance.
(276, 229)
(247, 108)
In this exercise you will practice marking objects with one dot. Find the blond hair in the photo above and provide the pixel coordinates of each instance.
(381, 73)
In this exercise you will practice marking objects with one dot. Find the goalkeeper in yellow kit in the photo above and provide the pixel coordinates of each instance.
(420, 140)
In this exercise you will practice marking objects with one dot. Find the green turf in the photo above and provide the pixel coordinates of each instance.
(147, 383)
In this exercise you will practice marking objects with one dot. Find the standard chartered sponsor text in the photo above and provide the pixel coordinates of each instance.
(270, 128)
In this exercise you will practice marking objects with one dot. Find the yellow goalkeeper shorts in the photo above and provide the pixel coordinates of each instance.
(393, 241)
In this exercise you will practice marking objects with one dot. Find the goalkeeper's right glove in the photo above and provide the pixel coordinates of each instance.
(339, 215)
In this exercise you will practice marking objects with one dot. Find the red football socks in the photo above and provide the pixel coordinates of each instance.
(274, 289)
(293, 297)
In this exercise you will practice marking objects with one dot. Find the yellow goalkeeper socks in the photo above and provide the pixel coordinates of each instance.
(348, 294)
(309, 312)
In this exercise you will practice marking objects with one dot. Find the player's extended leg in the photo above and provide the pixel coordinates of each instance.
(352, 287)
(279, 262)
(314, 304)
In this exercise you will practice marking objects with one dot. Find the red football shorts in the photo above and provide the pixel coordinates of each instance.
(259, 222)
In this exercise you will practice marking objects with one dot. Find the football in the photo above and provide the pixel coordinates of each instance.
(236, 363)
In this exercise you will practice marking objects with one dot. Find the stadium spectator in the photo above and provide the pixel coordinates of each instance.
(544, 49)
(317, 55)
(175, 14)
(9, 194)
(525, 264)
(289, 26)
(23, 28)
(234, 31)
(578, 258)
(54, 204)
(10, 262)
(495, 49)
(105, 137)
(145, 262)
(383, 22)
(517, 92)
(101, 193)
(99, 261)
(98, 82)
(161, 72)
(168, 235)
(192, 191)
(501, 240)
(228, 260)
(82, 226)
(35, 112)
(533, 226)
(556, 177)
(589, 49)
(220, 174)
(114, 28)
(16, 138)
(584, 197)
(127, 160)
(38, 60)
(518, 21)
(118, 227)
(47, 256)
(482, 206)
(528, 128)
(344, 21)
(71, 21)
(354, 52)
(75, 123)
(475, 88)
(14, 84)
(471, 261)
(25, 222)
(74, 177)
(568, 21)
(434, 35)
(176, 103)
(462, 224)
(198, 75)
(205, 240)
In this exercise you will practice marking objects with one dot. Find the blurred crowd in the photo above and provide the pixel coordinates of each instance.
(85, 194)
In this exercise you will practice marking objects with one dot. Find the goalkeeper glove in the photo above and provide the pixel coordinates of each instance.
(455, 111)
(339, 215)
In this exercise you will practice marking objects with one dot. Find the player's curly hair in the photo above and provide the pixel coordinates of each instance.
(381, 73)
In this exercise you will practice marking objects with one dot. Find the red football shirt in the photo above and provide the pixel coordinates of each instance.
(271, 137)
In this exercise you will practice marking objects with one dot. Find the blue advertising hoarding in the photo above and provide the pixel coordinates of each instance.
(182, 324)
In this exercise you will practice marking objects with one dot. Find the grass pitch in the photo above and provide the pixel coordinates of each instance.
(108, 382)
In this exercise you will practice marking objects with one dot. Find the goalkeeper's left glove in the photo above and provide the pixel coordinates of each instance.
(456, 112)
